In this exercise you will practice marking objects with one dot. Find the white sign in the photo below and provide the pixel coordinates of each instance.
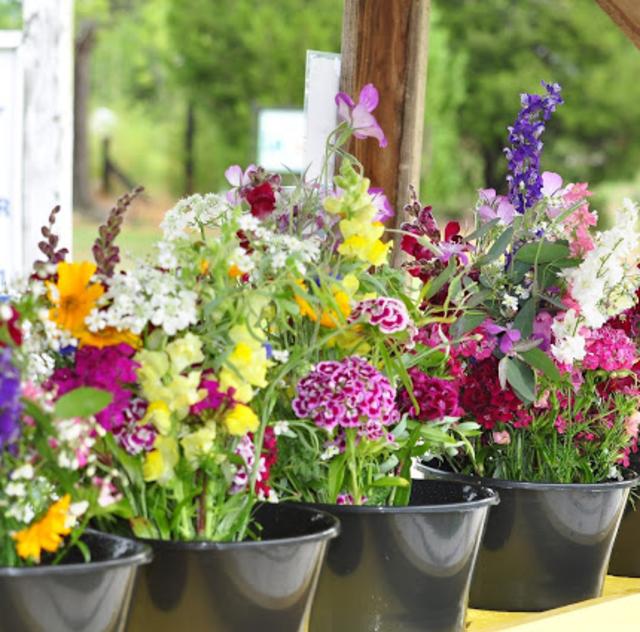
(321, 86)
(280, 140)
(11, 123)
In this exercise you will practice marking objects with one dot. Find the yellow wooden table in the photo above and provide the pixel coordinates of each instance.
(618, 610)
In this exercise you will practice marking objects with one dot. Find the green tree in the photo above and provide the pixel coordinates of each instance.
(10, 14)
(511, 46)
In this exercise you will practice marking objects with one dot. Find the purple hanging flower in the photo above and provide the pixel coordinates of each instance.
(10, 405)
(525, 181)
(358, 115)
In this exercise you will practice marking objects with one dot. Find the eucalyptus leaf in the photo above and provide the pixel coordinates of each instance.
(482, 230)
(435, 285)
(498, 248)
(542, 252)
(521, 378)
(523, 321)
(467, 322)
(82, 402)
(538, 359)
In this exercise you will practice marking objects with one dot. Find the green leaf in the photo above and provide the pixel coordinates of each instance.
(538, 359)
(523, 321)
(466, 323)
(336, 477)
(521, 378)
(440, 281)
(498, 248)
(482, 230)
(542, 252)
(391, 481)
(82, 402)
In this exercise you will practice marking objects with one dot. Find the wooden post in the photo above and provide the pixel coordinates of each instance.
(626, 14)
(385, 42)
(47, 51)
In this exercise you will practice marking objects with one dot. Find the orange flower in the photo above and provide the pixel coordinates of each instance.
(107, 337)
(73, 297)
(46, 534)
(328, 318)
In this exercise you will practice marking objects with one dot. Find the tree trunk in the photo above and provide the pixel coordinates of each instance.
(384, 42)
(84, 43)
(189, 158)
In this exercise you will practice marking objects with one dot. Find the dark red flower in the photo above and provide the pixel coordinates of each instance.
(486, 401)
(262, 200)
(13, 326)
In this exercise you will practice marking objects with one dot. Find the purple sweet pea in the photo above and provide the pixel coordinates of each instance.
(381, 202)
(507, 336)
(542, 330)
(358, 116)
(491, 206)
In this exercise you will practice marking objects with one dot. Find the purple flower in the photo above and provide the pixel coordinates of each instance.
(358, 116)
(525, 181)
(237, 179)
(507, 336)
(542, 330)
(491, 206)
(381, 202)
(10, 405)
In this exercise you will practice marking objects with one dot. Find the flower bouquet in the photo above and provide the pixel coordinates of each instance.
(51, 486)
(542, 362)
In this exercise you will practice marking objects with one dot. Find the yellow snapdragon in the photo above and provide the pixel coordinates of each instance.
(240, 420)
(198, 444)
(159, 464)
(361, 233)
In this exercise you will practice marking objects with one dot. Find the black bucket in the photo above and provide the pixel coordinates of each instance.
(266, 584)
(74, 596)
(403, 568)
(546, 545)
(625, 558)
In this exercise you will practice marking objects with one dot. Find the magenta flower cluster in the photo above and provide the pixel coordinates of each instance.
(111, 369)
(349, 393)
(609, 349)
(389, 315)
(436, 398)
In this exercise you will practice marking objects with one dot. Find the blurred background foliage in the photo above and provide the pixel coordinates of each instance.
(185, 80)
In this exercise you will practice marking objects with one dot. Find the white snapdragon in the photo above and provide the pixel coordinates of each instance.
(570, 344)
(605, 283)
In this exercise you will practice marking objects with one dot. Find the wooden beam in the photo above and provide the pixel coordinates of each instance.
(47, 51)
(626, 14)
(385, 42)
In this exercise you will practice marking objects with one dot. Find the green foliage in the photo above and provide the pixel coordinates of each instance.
(10, 14)
(511, 46)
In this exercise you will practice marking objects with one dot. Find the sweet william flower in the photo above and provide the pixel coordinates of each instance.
(240, 420)
(358, 116)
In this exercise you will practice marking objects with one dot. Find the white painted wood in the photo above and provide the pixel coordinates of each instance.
(10, 156)
(47, 53)
(321, 86)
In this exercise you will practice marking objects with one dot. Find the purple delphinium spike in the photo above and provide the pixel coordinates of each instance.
(10, 405)
(525, 180)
